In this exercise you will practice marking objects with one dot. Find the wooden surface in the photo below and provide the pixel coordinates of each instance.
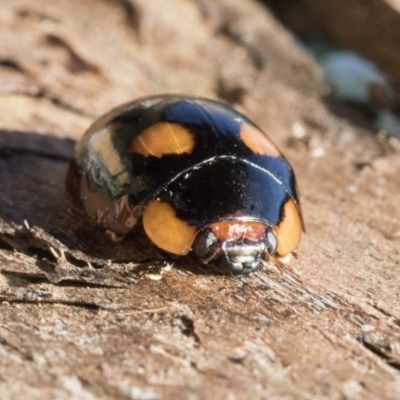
(80, 318)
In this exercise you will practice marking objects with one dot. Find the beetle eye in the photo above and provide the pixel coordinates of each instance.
(205, 245)
(270, 243)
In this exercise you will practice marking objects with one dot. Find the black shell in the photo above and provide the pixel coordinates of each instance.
(220, 177)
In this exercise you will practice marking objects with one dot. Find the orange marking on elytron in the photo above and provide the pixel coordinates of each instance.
(163, 138)
(174, 138)
(143, 144)
(166, 230)
(238, 230)
(288, 232)
(258, 141)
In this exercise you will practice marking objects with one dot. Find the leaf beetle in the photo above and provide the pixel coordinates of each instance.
(199, 175)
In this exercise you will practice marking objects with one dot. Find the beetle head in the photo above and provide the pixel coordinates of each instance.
(238, 246)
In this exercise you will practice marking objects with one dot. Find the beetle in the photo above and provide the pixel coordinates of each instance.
(200, 176)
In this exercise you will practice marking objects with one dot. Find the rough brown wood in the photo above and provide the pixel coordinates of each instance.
(80, 319)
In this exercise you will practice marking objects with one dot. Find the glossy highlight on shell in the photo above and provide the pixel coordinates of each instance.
(198, 175)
